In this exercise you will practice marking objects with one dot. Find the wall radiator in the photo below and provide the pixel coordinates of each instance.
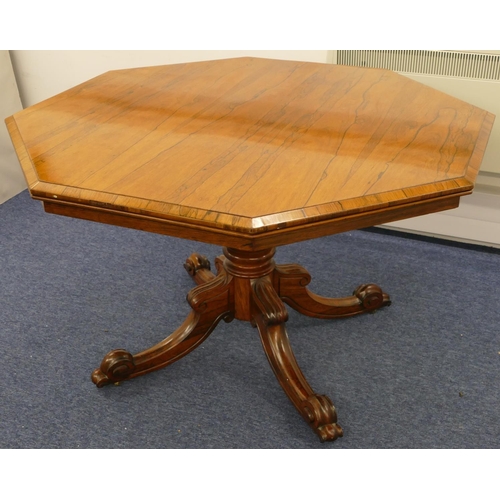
(472, 76)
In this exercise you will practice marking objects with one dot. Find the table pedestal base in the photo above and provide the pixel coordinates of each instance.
(249, 286)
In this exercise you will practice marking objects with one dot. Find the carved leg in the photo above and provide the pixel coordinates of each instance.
(291, 283)
(317, 410)
(210, 302)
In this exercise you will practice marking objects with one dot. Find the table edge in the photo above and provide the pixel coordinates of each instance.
(247, 227)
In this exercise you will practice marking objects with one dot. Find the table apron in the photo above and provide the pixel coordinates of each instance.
(266, 239)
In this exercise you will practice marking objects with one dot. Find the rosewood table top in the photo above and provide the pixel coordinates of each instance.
(250, 154)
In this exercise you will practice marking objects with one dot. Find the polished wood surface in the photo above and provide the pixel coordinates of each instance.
(250, 154)
(250, 146)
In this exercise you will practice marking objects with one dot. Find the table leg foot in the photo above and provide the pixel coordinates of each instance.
(116, 366)
(317, 410)
(291, 282)
(198, 267)
(210, 302)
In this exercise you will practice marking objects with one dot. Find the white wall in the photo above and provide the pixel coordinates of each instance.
(11, 177)
(43, 73)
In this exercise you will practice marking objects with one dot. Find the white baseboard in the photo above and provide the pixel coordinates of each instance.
(476, 220)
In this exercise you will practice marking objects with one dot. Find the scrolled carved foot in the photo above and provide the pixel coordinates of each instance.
(198, 267)
(116, 366)
(372, 297)
(322, 417)
(195, 262)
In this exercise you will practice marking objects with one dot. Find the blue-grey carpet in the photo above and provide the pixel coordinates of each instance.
(423, 373)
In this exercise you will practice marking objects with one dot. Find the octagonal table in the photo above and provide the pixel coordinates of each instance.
(250, 154)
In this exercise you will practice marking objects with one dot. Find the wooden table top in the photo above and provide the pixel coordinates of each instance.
(249, 146)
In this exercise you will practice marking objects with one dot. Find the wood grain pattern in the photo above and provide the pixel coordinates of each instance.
(249, 145)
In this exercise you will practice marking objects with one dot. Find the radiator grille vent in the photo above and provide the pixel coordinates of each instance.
(426, 62)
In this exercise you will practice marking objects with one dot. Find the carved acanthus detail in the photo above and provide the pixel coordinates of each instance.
(268, 302)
